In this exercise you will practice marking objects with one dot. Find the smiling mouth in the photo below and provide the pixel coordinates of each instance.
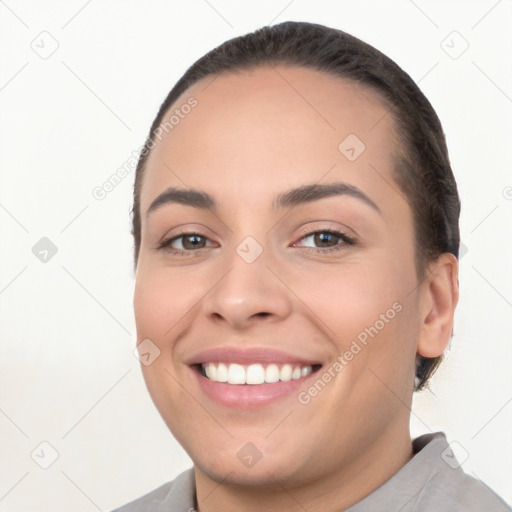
(254, 374)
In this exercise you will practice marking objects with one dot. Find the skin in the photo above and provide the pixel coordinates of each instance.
(251, 136)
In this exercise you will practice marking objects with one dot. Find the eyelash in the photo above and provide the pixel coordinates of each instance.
(346, 239)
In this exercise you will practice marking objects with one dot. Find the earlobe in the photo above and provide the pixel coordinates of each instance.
(440, 296)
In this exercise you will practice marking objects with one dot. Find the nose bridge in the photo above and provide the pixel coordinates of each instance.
(249, 290)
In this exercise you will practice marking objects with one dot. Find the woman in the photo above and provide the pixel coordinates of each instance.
(296, 234)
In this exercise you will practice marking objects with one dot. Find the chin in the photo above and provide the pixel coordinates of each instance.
(261, 475)
(248, 467)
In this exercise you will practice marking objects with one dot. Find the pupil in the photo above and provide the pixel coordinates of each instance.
(323, 239)
(192, 241)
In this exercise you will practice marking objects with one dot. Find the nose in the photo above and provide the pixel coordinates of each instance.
(248, 294)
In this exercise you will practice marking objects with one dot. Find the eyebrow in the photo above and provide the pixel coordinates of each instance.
(289, 199)
(188, 197)
(309, 193)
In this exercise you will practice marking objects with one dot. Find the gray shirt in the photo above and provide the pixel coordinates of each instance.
(432, 481)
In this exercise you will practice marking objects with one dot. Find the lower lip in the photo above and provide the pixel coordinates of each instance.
(249, 396)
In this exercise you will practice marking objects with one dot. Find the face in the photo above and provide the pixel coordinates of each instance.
(290, 273)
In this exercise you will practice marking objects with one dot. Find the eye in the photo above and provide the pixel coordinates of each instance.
(325, 241)
(317, 241)
(184, 243)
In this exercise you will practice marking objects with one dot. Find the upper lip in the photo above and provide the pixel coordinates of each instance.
(252, 355)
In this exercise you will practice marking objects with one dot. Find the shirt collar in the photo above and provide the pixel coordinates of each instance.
(406, 486)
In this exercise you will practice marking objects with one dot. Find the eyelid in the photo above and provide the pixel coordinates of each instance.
(346, 241)
(187, 229)
(165, 243)
(181, 231)
(325, 227)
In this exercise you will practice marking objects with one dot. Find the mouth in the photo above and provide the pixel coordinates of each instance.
(248, 378)
(254, 374)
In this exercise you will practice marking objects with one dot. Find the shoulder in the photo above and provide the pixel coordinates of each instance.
(178, 493)
(432, 481)
(448, 487)
(455, 490)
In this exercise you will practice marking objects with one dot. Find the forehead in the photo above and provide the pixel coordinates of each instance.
(272, 128)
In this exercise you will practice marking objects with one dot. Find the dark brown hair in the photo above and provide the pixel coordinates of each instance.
(422, 167)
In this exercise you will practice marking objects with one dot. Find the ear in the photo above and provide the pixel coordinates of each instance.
(440, 294)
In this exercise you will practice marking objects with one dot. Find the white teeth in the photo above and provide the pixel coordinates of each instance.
(305, 371)
(222, 373)
(254, 374)
(236, 374)
(272, 373)
(286, 373)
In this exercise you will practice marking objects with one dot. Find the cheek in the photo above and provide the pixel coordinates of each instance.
(162, 299)
(365, 312)
(370, 321)
(346, 299)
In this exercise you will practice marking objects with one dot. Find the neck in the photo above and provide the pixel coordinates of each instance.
(337, 490)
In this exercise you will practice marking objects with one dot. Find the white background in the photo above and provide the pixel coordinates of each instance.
(67, 372)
